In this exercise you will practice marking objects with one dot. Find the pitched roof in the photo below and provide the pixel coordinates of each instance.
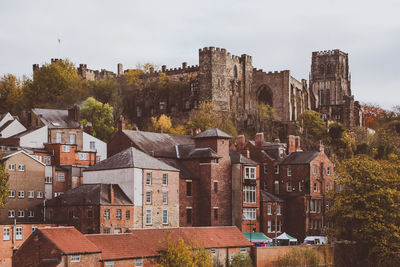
(5, 125)
(55, 118)
(18, 135)
(268, 197)
(7, 154)
(148, 242)
(92, 194)
(199, 153)
(158, 144)
(69, 240)
(212, 133)
(303, 157)
(184, 171)
(237, 158)
(131, 158)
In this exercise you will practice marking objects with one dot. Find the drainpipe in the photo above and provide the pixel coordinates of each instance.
(14, 233)
(44, 210)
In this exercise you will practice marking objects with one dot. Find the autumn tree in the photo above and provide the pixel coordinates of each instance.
(372, 113)
(3, 184)
(241, 260)
(163, 124)
(10, 94)
(365, 212)
(54, 85)
(341, 141)
(313, 129)
(101, 117)
(181, 254)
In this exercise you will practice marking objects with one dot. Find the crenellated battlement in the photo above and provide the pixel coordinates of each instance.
(184, 69)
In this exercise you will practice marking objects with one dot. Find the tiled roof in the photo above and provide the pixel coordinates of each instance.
(55, 118)
(268, 197)
(148, 242)
(131, 158)
(158, 144)
(303, 157)
(211, 133)
(92, 194)
(237, 158)
(69, 240)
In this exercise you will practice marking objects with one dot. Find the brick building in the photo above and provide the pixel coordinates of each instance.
(152, 185)
(92, 208)
(272, 210)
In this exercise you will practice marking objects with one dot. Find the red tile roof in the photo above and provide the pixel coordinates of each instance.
(69, 240)
(148, 242)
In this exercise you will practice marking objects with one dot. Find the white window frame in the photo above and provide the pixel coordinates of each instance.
(315, 187)
(289, 171)
(278, 209)
(11, 213)
(269, 226)
(72, 139)
(165, 217)
(110, 264)
(75, 258)
(249, 214)
(31, 194)
(328, 187)
(118, 214)
(107, 214)
(65, 148)
(139, 263)
(300, 187)
(60, 177)
(21, 214)
(250, 172)
(47, 160)
(11, 167)
(165, 179)
(6, 233)
(31, 214)
(289, 186)
(92, 145)
(83, 156)
(149, 178)
(58, 138)
(265, 168)
(269, 209)
(149, 196)
(21, 167)
(328, 171)
(149, 217)
(276, 169)
(48, 180)
(11, 193)
(21, 194)
(18, 233)
(315, 169)
(165, 197)
(249, 194)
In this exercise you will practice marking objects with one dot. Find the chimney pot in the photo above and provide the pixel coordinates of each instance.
(292, 143)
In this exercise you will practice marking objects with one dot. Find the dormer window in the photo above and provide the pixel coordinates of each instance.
(250, 172)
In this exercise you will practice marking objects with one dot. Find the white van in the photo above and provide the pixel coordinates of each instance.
(315, 240)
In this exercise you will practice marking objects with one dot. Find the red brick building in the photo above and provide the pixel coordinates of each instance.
(272, 210)
(92, 208)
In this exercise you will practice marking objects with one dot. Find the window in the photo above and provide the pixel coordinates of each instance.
(148, 178)
(328, 171)
(215, 214)
(18, 233)
(249, 214)
(48, 180)
(243, 251)
(163, 105)
(278, 226)
(149, 217)
(11, 167)
(83, 156)
(288, 186)
(31, 194)
(117, 230)
(315, 206)
(315, 187)
(276, 184)
(187, 104)
(269, 209)
(75, 258)
(214, 161)
(47, 160)
(281, 153)
(21, 194)
(277, 169)
(165, 217)
(265, 168)
(65, 148)
(213, 251)
(269, 227)
(319, 206)
(328, 186)
(21, 214)
(148, 196)
(189, 188)
(249, 194)
(90, 213)
(21, 167)
(39, 158)
(278, 209)
(92, 145)
(58, 138)
(72, 138)
(138, 262)
(60, 177)
(31, 214)
(11, 213)
(300, 186)
(128, 214)
(289, 171)
(34, 228)
(106, 230)
(109, 264)
(165, 197)
(6, 233)
(106, 214)
(188, 216)
(314, 169)
(250, 172)
(119, 214)
(165, 179)
(11, 193)
(215, 187)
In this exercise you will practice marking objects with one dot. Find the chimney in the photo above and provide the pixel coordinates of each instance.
(197, 131)
(292, 143)
(184, 65)
(297, 142)
(111, 194)
(240, 142)
(120, 69)
(88, 128)
(163, 68)
(321, 147)
(121, 123)
(74, 113)
(277, 140)
(245, 153)
(259, 139)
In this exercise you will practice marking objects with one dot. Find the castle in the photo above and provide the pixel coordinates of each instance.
(235, 86)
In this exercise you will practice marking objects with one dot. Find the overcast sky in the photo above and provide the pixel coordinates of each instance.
(277, 34)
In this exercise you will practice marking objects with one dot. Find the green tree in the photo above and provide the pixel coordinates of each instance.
(341, 142)
(10, 94)
(365, 211)
(299, 257)
(180, 254)
(264, 117)
(55, 85)
(101, 117)
(241, 260)
(3, 184)
(313, 129)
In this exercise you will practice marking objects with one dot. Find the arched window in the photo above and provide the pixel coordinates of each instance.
(265, 95)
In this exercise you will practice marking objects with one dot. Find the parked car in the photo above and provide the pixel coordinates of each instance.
(315, 240)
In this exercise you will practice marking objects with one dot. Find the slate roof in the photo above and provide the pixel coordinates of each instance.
(237, 158)
(200, 153)
(304, 157)
(211, 133)
(5, 125)
(184, 171)
(59, 116)
(92, 194)
(158, 144)
(69, 240)
(131, 158)
(18, 135)
(149, 242)
(268, 197)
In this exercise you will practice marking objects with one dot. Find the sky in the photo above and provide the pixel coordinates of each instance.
(278, 35)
